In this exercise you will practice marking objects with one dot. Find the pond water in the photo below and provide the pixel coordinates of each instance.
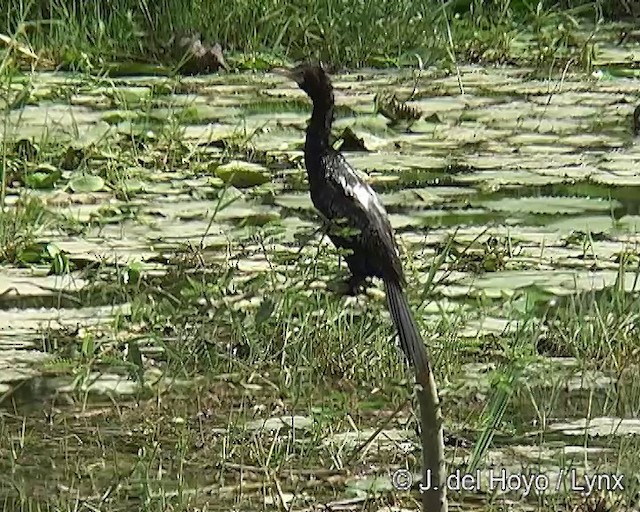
(532, 183)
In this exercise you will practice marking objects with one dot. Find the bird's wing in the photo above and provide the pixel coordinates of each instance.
(362, 205)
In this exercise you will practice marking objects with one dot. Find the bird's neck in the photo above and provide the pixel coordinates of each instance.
(319, 127)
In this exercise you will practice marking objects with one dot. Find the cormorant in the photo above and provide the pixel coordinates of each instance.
(351, 206)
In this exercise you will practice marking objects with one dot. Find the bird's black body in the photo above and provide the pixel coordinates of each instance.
(359, 221)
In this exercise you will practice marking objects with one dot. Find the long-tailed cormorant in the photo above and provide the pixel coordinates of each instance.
(359, 221)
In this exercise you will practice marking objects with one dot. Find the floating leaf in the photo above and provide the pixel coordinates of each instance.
(133, 185)
(548, 205)
(118, 116)
(44, 177)
(86, 183)
(33, 254)
(601, 426)
(370, 485)
(242, 174)
(118, 69)
(93, 134)
(258, 219)
(41, 253)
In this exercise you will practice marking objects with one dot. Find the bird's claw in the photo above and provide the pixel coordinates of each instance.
(356, 286)
(349, 287)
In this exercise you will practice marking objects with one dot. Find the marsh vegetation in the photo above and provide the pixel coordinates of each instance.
(169, 334)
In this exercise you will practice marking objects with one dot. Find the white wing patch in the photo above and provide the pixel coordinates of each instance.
(376, 202)
(363, 196)
(363, 193)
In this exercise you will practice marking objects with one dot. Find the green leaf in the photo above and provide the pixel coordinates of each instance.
(52, 250)
(133, 185)
(45, 176)
(59, 259)
(88, 346)
(33, 254)
(86, 183)
(242, 174)
(59, 264)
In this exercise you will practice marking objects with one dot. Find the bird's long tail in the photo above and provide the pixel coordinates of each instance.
(410, 340)
(435, 497)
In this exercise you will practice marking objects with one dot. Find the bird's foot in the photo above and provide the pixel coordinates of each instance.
(356, 286)
(351, 287)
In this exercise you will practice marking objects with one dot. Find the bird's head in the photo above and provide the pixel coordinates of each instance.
(311, 78)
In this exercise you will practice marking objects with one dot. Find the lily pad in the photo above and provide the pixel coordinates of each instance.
(549, 205)
(242, 174)
(44, 177)
(86, 183)
(133, 185)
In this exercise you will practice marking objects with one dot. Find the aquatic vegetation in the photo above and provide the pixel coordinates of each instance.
(162, 278)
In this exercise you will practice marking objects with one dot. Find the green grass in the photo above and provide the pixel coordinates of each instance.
(19, 227)
(87, 36)
(338, 370)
